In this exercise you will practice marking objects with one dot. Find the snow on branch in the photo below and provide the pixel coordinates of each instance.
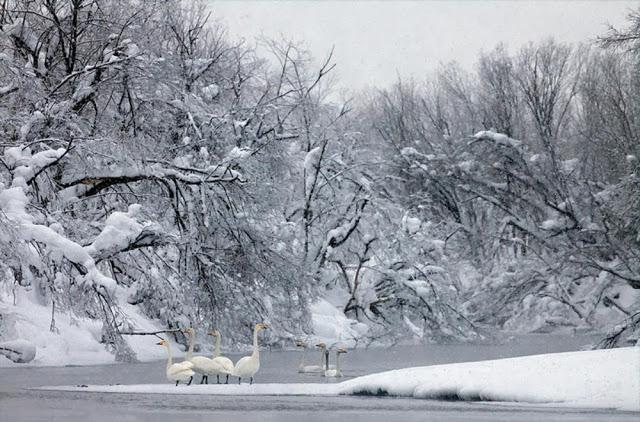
(60, 246)
(7, 89)
(338, 235)
(90, 185)
(122, 232)
(91, 69)
(26, 166)
(498, 138)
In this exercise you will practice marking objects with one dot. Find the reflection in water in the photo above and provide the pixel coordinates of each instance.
(16, 403)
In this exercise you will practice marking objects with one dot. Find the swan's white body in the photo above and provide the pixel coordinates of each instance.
(199, 362)
(220, 365)
(177, 372)
(334, 373)
(217, 365)
(310, 369)
(249, 365)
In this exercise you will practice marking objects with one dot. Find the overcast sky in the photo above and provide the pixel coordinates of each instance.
(375, 41)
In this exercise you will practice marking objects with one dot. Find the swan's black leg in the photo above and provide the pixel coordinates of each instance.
(190, 379)
(251, 381)
(177, 382)
(227, 381)
(202, 380)
(239, 380)
(207, 382)
(218, 378)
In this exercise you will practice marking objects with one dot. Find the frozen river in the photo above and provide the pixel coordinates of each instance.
(19, 403)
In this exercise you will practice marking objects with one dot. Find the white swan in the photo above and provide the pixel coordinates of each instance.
(177, 372)
(201, 364)
(324, 354)
(249, 365)
(333, 373)
(223, 365)
(302, 368)
(217, 365)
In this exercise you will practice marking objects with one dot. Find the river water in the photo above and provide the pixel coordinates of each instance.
(20, 403)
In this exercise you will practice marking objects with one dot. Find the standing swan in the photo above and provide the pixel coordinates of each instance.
(333, 373)
(249, 365)
(201, 364)
(177, 372)
(302, 368)
(223, 365)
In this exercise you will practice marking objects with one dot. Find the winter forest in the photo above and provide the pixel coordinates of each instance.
(157, 173)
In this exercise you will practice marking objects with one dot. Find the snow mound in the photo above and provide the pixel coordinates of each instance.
(18, 351)
(597, 379)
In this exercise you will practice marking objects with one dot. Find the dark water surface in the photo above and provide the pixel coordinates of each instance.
(18, 403)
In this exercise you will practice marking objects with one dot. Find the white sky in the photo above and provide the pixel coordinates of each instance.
(377, 40)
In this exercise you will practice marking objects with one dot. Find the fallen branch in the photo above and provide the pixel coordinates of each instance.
(148, 333)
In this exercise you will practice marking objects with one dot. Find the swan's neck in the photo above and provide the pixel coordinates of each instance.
(256, 350)
(216, 353)
(304, 357)
(170, 360)
(192, 339)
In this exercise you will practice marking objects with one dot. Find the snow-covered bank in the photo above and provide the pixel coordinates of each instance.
(592, 379)
(75, 340)
(599, 378)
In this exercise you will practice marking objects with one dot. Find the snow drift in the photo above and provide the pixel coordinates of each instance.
(594, 379)
(600, 378)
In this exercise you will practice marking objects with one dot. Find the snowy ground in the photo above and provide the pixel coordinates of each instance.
(592, 379)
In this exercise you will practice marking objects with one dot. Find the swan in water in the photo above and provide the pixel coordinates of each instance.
(177, 372)
(324, 354)
(302, 368)
(249, 365)
(333, 373)
(223, 365)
